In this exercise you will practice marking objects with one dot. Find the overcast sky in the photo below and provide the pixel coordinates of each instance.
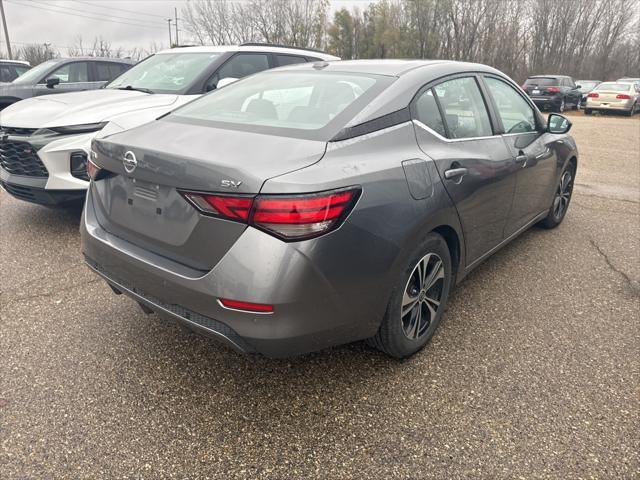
(125, 23)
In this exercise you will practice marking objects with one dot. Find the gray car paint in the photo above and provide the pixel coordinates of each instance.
(14, 92)
(335, 288)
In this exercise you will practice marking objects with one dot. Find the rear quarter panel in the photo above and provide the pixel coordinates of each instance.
(362, 260)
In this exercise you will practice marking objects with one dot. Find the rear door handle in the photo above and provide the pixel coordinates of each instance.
(455, 172)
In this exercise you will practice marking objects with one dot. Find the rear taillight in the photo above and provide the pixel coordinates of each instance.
(553, 90)
(288, 217)
(224, 206)
(298, 217)
(94, 172)
(623, 96)
(593, 95)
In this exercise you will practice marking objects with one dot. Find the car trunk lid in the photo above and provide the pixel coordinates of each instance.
(144, 205)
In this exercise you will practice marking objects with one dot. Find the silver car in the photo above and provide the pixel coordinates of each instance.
(320, 204)
(621, 97)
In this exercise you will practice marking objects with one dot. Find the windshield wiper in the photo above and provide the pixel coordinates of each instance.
(137, 89)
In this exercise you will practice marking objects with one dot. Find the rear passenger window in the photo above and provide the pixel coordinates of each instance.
(290, 59)
(428, 113)
(465, 113)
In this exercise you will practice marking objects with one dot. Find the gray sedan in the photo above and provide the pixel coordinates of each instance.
(62, 75)
(325, 203)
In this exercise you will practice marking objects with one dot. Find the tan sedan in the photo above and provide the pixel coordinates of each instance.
(614, 96)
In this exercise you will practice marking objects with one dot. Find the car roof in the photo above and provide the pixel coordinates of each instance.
(250, 48)
(549, 76)
(394, 68)
(16, 62)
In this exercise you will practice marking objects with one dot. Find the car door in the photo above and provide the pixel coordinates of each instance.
(454, 129)
(534, 156)
(73, 76)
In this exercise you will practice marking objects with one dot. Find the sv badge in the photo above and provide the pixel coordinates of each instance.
(230, 183)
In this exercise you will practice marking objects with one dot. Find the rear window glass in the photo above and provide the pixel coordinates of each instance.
(285, 101)
(614, 87)
(543, 81)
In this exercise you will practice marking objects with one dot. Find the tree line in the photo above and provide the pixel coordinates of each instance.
(597, 39)
(587, 39)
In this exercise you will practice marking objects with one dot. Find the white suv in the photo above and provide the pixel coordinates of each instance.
(44, 141)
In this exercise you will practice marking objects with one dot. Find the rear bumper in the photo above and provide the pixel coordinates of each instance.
(610, 108)
(311, 312)
(547, 102)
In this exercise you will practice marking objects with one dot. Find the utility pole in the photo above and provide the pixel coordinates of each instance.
(169, 21)
(6, 30)
(176, 13)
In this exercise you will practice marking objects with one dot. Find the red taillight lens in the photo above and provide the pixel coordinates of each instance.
(593, 95)
(224, 206)
(289, 217)
(246, 306)
(95, 172)
(553, 90)
(299, 217)
(623, 96)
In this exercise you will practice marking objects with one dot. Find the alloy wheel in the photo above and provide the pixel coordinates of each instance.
(422, 296)
(563, 195)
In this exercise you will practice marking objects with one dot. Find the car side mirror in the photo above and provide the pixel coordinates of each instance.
(52, 82)
(558, 124)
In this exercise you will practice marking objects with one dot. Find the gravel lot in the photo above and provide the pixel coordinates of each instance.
(535, 372)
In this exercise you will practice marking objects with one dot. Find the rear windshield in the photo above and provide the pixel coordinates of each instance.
(614, 87)
(543, 81)
(290, 103)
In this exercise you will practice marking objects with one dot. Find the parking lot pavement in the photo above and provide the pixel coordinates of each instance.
(535, 372)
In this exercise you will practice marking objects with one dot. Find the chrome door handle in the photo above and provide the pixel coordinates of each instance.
(455, 172)
(522, 158)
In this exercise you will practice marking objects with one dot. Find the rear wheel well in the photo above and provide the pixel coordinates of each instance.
(453, 242)
(574, 162)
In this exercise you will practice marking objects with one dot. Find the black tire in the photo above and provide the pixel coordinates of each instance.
(395, 332)
(561, 199)
(632, 111)
(587, 111)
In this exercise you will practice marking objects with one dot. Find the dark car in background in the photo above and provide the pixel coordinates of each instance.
(553, 92)
(62, 75)
(586, 86)
(12, 69)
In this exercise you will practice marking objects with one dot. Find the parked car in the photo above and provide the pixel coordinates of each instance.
(629, 79)
(315, 205)
(43, 157)
(12, 69)
(62, 75)
(553, 92)
(614, 97)
(585, 86)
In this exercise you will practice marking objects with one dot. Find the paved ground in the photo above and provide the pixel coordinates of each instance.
(535, 372)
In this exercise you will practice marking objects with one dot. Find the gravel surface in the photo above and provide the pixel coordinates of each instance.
(534, 373)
